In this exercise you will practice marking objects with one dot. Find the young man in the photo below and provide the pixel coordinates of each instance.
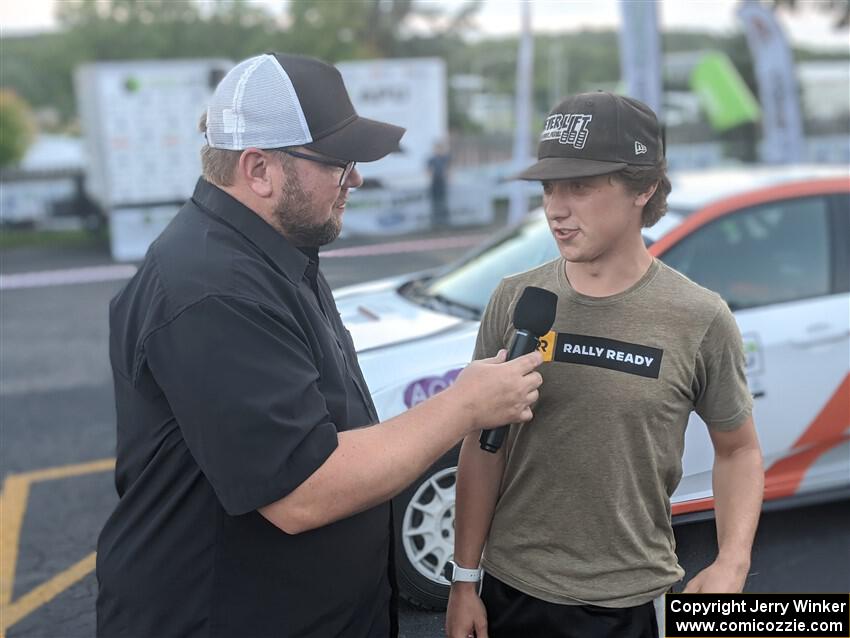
(575, 511)
(253, 499)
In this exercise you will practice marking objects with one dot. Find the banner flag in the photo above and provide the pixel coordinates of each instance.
(782, 123)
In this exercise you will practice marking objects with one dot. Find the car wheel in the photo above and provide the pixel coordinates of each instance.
(424, 517)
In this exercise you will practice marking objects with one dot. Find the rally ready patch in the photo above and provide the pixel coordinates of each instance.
(602, 353)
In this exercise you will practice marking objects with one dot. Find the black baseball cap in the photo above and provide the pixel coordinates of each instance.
(278, 100)
(598, 133)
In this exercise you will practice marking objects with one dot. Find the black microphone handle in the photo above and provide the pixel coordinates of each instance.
(523, 343)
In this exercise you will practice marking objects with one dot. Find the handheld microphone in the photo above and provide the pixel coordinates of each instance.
(533, 317)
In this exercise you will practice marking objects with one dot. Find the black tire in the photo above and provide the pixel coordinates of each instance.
(426, 591)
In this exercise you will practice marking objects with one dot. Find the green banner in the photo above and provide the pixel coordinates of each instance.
(723, 93)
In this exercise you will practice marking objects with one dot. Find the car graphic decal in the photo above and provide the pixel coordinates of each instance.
(426, 387)
(754, 357)
(783, 478)
(827, 431)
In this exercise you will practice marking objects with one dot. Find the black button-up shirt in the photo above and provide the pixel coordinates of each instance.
(233, 374)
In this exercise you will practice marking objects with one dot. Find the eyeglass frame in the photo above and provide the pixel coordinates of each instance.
(347, 167)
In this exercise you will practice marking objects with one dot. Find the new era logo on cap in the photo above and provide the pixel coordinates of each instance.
(596, 134)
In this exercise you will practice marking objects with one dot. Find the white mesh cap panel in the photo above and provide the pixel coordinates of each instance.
(255, 105)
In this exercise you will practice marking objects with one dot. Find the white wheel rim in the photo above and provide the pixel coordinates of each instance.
(428, 528)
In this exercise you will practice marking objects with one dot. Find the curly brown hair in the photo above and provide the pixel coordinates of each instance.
(639, 179)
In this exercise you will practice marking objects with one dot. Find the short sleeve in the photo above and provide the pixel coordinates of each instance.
(723, 399)
(491, 331)
(241, 382)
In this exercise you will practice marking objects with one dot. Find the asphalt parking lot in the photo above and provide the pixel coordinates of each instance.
(58, 443)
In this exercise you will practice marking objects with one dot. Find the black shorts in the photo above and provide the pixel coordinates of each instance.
(513, 614)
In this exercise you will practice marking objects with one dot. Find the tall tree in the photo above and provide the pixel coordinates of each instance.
(16, 128)
(346, 29)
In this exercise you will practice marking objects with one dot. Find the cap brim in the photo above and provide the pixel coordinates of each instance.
(361, 140)
(567, 168)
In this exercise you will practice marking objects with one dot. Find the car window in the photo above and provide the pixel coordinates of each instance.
(762, 255)
(840, 231)
(473, 280)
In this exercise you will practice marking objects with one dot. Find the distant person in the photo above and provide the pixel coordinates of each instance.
(573, 513)
(438, 169)
(253, 477)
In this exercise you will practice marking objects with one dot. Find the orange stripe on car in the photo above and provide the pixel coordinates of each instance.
(783, 478)
(697, 505)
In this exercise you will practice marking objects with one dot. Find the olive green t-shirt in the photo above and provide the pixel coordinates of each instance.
(583, 514)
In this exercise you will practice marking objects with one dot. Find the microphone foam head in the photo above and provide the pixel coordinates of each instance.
(535, 311)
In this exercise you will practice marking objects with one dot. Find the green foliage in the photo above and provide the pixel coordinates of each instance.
(153, 29)
(582, 61)
(40, 68)
(16, 128)
(337, 30)
(331, 30)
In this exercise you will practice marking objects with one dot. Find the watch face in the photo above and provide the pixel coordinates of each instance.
(448, 571)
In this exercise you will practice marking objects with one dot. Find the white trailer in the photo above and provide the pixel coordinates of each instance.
(408, 92)
(140, 122)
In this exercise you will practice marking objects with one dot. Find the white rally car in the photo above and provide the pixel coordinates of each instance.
(774, 242)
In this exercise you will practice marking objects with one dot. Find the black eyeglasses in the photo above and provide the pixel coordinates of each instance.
(346, 167)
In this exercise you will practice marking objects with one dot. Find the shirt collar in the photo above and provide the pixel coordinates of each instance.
(311, 252)
(292, 261)
(312, 270)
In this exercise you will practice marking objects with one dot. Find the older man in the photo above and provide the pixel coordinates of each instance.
(253, 496)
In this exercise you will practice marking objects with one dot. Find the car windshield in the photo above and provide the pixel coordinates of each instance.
(470, 282)
(464, 287)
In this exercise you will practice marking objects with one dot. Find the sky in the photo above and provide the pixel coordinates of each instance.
(805, 27)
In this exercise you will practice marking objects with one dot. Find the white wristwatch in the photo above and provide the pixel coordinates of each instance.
(454, 573)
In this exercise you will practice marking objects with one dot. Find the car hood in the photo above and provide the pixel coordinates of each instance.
(377, 316)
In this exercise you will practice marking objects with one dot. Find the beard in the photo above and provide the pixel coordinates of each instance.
(293, 216)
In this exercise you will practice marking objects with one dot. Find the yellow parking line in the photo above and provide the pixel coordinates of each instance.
(13, 505)
(46, 592)
(66, 471)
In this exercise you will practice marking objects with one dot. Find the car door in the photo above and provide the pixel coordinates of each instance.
(775, 265)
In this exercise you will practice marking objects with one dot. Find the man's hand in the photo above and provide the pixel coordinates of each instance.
(719, 578)
(496, 393)
(466, 616)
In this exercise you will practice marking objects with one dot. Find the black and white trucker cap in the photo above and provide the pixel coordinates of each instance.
(278, 100)
(593, 134)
